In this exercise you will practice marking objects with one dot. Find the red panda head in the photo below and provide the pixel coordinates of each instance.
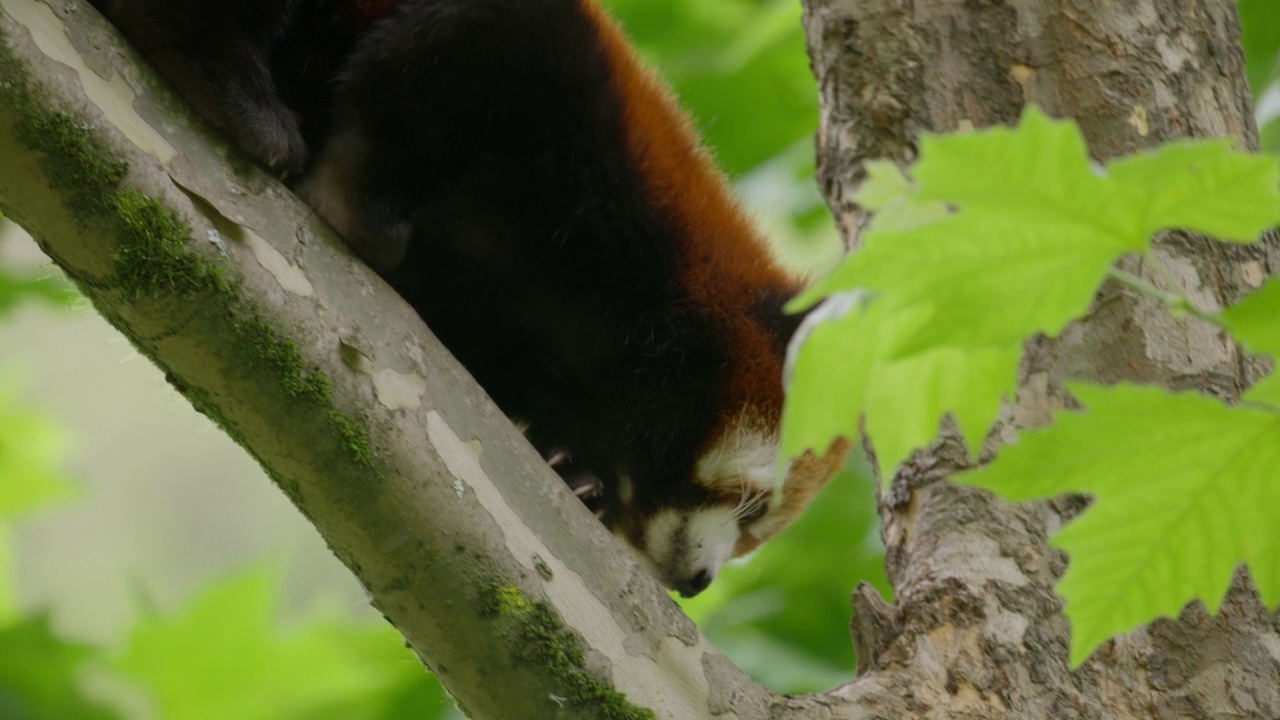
(733, 504)
(727, 500)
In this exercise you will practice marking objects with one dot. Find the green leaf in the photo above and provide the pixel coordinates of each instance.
(223, 658)
(1270, 132)
(1260, 22)
(39, 675)
(1204, 186)
(989, 281)
(895, 201)
(907, 397)
(1185, 488)
(828, 387)
(9, 610)
(849, 368)
(1037, 230)
(885, 185)
(15, 290)
(1267, 391)
(31, 449)
(1038, 172)
(1255, 322)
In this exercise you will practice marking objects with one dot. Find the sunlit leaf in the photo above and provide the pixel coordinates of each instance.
(987, 281)
(1038, 172)
(1185, 488)
(225, 657)
(850, 368)
(1205, 186)
(1255, 321)
(894, 200)
(1036, 229)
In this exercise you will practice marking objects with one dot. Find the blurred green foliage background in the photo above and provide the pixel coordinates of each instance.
(149, 570)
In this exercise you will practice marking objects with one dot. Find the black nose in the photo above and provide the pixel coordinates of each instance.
(693, 585)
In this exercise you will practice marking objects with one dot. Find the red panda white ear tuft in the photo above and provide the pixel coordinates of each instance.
(742, 460)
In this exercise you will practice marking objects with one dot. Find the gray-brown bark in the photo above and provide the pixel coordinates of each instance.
(980, 630)
(455, 507)
(449, 519)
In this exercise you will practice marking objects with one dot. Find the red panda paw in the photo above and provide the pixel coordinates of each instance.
(270, 134)
(588, 487)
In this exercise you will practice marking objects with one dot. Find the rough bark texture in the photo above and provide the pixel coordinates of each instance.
(455, 526)
(980, 634)
(463, 537)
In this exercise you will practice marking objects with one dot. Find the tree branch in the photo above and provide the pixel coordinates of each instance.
(505, 585)
(976, 629)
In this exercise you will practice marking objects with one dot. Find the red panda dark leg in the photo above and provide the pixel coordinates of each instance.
(218, 53)
(335, 188)
(536, 194)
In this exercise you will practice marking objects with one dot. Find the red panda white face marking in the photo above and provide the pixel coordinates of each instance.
(659, 366)
(687, 547)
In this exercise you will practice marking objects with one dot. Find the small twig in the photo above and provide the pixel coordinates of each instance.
(1162, 270)
(1177, 302)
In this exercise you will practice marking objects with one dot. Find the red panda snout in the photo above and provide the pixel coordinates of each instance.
(687, 547)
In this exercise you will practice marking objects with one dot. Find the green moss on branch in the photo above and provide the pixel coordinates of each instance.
(540, 638)
(154, 254)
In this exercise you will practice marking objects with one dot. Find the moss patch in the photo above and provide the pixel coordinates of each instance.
(154, 257)
(151, 254)
(73, 160)
(542, 639)
(354, 436)
(259, 341)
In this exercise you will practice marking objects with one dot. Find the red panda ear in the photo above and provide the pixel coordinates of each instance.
(809, 473)
(806, 475)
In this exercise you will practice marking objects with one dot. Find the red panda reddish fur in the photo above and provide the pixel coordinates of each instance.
(537, 195)
(726, 262)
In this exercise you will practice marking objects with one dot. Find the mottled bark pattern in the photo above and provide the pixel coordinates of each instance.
(981, 631)
(453, 524)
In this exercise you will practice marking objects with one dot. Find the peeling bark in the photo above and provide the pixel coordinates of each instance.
(464, 538)
(461, 533)
(981, 631)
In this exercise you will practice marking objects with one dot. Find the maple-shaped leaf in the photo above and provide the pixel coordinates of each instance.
(1255, 321)
(225, 656)
(1035, 230)
(1202, 185)
(849, 368)
(1185, 489)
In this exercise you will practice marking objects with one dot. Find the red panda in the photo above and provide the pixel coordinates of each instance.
(514, 171)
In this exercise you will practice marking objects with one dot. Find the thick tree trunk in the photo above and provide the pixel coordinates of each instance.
(460, 532)
(976, 631)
